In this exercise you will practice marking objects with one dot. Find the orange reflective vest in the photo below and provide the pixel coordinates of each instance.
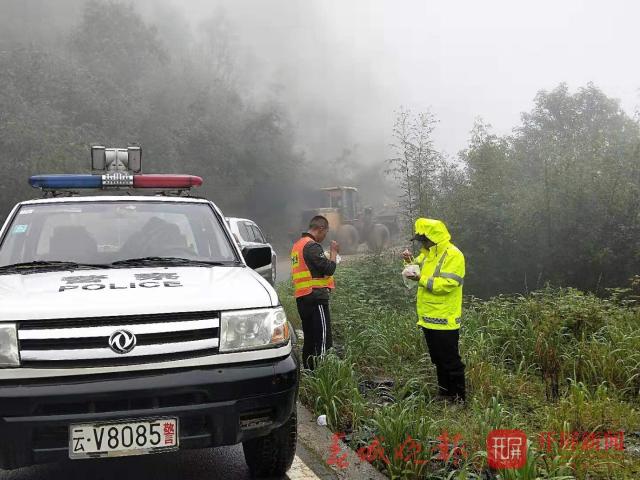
(303, 283)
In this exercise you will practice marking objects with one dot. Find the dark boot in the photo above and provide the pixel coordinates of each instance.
(458, 386)
(443, 382)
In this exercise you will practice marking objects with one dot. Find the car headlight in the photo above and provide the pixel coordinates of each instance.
(9, 354)
(253, 329)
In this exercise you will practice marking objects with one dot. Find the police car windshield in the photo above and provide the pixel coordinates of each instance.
(104, 232)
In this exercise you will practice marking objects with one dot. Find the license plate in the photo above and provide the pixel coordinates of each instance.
(119, 439)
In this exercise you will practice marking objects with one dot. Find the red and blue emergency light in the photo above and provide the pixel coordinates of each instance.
(110, 180)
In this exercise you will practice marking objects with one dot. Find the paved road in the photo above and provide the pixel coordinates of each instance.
(206, 464)
(283, 268)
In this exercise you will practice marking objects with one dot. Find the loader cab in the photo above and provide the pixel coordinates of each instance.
(348, 224)
(345, 199)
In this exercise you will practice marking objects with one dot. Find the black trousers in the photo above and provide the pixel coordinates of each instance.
(443, 350)
(316, 327)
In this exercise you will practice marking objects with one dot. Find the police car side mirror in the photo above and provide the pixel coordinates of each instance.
(257, 257)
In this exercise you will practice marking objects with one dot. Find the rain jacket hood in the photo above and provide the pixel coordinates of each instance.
(434, 230)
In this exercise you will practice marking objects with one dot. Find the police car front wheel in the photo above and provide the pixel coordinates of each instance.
(272, 456)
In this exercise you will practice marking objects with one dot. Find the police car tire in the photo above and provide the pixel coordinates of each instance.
(272, 455)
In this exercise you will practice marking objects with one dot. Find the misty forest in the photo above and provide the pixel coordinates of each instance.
(547, 215)
(556, 201)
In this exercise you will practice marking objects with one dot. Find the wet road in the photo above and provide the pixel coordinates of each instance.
(208, 463)
(205, 464)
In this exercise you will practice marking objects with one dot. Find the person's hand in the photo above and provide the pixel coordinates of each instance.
(335, 247)
(406, 255)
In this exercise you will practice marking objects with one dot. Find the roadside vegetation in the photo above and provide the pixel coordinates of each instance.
(552, 362)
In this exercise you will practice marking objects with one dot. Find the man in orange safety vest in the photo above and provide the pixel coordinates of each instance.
(312, 274)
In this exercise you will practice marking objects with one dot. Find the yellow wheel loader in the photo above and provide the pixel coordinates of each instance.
(350, 225)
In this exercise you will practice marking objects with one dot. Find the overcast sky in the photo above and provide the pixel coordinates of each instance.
(346, 65)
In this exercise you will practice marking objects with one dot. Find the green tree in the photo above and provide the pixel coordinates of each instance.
(577, 157)
(113, 81)
(557, 201)
(416, 163)
(478, 210)
(114, 43)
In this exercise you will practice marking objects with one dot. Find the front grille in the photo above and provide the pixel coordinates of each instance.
(124, 404)
(82, 342)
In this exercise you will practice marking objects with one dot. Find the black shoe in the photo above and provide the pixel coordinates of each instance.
(442, 398)
(458, 387)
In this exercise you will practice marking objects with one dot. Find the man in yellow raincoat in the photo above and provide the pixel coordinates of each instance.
(439, 303)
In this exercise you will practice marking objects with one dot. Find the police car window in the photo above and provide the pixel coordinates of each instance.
(104, 232)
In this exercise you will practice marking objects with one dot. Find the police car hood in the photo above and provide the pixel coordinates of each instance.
(131, 291)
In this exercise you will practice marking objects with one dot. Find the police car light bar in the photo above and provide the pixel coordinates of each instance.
(73, 181)
(166, 181)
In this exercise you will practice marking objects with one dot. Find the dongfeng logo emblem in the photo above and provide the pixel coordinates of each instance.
(122, 341)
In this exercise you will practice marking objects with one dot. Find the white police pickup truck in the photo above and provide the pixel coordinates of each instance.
(133, 324)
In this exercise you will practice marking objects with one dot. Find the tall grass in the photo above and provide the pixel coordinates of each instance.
(333, 390)
(552, 361)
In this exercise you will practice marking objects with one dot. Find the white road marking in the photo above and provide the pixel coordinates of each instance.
(300, 471)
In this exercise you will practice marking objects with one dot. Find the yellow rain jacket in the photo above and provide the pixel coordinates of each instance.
(439, 302)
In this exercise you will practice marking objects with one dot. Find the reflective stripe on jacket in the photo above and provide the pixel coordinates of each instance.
(442, 269)
(303, 282)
